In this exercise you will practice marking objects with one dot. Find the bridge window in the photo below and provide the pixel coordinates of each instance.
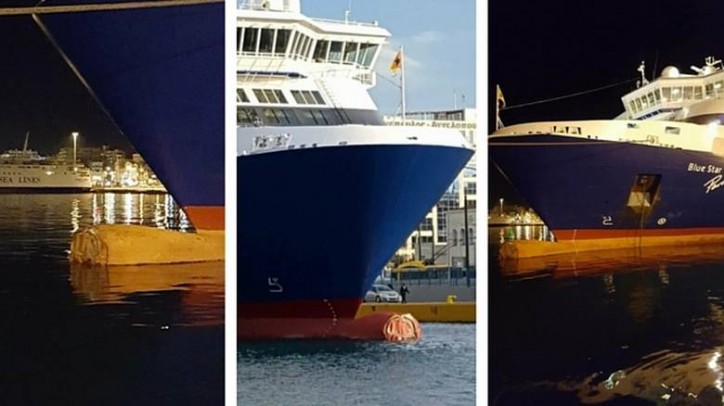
(266, 41)
(632, 106)
(651, 99)
(719, 87)
(350, 52)
(657, 96)
(320, 51)
(366, 54)
(335, 51)
(251, 36)
(666, 94)
(709, 90)
(676, 94)
(638, 105)
(317, 97)
(280, 47)
(698, 95)
(688, 92)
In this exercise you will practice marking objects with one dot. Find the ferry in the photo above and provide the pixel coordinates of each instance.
(26, 171)
(157, 70)
(653, 175)
(326, 191)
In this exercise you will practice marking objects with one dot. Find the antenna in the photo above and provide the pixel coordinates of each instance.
(348, 12)
(25, 145)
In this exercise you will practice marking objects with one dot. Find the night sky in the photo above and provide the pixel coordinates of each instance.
(544, 49)
(39, 93)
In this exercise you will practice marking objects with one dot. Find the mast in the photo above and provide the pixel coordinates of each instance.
(25, 145)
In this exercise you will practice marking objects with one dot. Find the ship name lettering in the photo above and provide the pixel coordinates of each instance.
(714, 183)
(713, 169)
(5, 179)
(695, 167)
(28, 179)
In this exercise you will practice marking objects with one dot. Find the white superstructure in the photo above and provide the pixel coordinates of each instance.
(296, 74)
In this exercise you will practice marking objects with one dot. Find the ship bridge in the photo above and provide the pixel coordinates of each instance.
(673, 94)
(274, 39)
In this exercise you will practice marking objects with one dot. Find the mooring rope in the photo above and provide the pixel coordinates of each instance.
(82, 8)
(566, 96)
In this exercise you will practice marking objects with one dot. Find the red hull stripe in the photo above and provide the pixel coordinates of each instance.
(206, 217)
(594, 234)
(301, 309)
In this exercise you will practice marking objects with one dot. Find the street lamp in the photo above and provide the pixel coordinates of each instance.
(75, 143)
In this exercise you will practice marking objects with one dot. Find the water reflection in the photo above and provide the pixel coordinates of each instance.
(198, 288)
(520, 232)
(134, 208)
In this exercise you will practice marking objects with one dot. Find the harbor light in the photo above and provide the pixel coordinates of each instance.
(75, 144)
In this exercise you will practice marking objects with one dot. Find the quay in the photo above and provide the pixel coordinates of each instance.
(431, 312)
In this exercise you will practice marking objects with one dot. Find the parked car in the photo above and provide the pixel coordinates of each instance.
(382, 293)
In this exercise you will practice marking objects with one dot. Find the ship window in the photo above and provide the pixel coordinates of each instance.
(335, 51)
(266, 42)
(280, 96)
(300, 43)
(666, 93)
(719, 87)
(241, 96)
(644, 103)
(307, 46)
(638, 104)
(239, 31)
(298, 97)
(350, 52)
(676, 94)
(320, 51)
(242, 117)
(697, 93)
(282, 116)
(281, 42)
(260, 97)
(291, 117)
(318, 97)
(366, 54)
(632, 106)
(651, 99)
(308, 98)
(688, 92)
(250, 36)
(672, 130)
(271, 96)
(657, 96)
(269, 117)
(709, 90)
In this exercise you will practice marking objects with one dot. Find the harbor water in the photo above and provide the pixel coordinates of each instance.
(79, 335)
(437, 370)
(632, 326)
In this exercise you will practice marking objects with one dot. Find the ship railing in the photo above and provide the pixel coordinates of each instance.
(343, 22)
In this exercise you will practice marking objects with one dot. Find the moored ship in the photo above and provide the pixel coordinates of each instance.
(157, 69)
(327, 193)
(649, 177)
(26, 171)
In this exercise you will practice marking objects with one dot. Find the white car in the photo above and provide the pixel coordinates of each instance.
(382, 293)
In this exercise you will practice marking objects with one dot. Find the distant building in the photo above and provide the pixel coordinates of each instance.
(433, 239)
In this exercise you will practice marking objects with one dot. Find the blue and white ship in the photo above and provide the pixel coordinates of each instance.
(157, 69)
(327, 192)
(652, 176)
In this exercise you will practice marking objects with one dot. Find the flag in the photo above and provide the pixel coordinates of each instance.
(396, 64)
(500, 99)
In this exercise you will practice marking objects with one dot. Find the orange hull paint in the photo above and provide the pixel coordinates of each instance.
(592, 234)
(206, 217)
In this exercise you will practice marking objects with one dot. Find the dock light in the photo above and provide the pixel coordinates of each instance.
(75, 144)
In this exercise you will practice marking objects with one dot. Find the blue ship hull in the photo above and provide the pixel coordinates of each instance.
(316, 226)
(582, 188)
(159, 73)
